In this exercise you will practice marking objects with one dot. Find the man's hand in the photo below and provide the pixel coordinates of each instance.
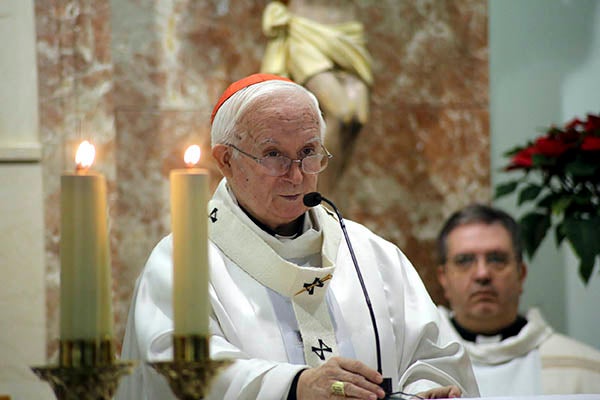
(360, 381)
(445, 392)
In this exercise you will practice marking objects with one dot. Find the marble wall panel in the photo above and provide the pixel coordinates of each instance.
(147, 74)
(75, 103)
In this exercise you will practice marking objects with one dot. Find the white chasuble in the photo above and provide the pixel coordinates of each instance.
(306, 287)
(271, 314)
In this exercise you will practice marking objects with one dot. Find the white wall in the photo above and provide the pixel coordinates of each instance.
(18, 86)
(580, 95)
(22, 296)
(544, 66)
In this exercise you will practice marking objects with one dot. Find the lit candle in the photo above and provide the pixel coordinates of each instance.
(85, 274)
(189, 196)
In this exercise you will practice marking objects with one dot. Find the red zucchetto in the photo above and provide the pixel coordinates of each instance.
(241, 84)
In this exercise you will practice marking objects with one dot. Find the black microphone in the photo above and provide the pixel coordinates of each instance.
(313, 199)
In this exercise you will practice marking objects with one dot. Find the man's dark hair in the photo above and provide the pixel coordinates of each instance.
(479, 213)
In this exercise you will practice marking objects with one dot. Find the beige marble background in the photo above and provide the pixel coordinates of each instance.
(139, 78)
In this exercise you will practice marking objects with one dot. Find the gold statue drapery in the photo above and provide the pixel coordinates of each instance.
(300, 48)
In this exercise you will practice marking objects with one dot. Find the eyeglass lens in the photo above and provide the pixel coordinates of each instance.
(493, 259)
(280, 165)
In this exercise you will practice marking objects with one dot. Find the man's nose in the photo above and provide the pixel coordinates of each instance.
(482, 270)
(295, 173)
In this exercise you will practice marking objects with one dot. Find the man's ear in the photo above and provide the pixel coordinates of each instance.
(222, 155)
(522, 274)
(442, 279)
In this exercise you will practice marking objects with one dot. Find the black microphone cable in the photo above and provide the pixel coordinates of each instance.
(313, 199)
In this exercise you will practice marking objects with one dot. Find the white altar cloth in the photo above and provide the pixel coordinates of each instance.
(543, 397)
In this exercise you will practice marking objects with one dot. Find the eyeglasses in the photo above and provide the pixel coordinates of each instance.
(495, 260)
(279, 165)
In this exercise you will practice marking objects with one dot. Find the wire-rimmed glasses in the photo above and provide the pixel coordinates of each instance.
(280, 165)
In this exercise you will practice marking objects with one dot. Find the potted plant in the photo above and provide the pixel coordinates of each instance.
(560, 179)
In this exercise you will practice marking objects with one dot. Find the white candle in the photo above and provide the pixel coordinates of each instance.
(85, 274)
(189, 196)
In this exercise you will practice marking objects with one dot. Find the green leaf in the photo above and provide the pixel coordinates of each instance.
(560, 205)
(559, 234)
(579, 207)
(514, 150)
(548, 200)
(540, 160)
(585, 270)
(505, 188)
(529, 193)
(580, 168)
(534, 226)
(583, 235)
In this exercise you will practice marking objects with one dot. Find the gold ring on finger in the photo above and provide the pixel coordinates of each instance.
(337, 388)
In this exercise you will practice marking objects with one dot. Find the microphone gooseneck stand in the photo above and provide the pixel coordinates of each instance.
(313, 199)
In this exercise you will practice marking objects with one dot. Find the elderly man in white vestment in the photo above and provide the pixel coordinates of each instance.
(285, 300)
(482, 272)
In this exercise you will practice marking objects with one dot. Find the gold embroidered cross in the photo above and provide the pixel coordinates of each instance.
(318, 282)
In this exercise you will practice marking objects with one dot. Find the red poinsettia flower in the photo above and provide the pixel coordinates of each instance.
(574, 124)
(523, 159)
(559, 183)
(591, 143)
(570, 136)
(552, 146)
(592, 123)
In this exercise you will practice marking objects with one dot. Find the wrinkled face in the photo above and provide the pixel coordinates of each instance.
(281, 125)
(481, 278)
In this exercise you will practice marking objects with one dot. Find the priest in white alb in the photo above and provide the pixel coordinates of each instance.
(286, 302)
(482, 272)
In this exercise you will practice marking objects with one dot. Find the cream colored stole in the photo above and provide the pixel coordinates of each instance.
(305, 286)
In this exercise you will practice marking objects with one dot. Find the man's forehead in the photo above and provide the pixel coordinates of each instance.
(477, 236)
(267, 141)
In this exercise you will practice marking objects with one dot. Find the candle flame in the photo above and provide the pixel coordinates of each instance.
(84, 158)
(192, 155)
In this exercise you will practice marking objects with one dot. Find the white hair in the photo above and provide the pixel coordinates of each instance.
(225, 125)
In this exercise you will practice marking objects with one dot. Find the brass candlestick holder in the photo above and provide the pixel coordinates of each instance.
(87, 370)
(191, 371)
